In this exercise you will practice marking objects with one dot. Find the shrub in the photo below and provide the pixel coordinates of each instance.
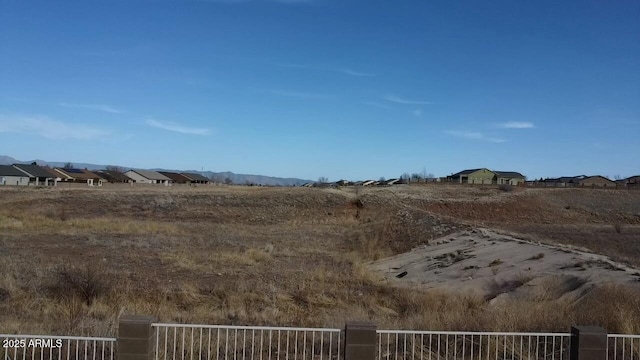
(85, 284)
(537, 257)
(505, 188)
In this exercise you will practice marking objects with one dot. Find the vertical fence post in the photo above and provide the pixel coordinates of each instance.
(136, 337)
(588, 343)
(359, 341)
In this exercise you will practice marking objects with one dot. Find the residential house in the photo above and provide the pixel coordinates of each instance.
(597, 181)
(63, 175)
(342, 183)
(392, 181)
(633, 181)
(81, 176)
(196, 178)
(368, 182)
(148, 177)
(57, 177)
(474, 176)
(37, 175)
(176, 178)
(509, 178)
(114, 177)
(564, 181)
(9, 175)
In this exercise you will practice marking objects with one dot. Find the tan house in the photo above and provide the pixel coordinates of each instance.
(486, 176)
(510, 178)
(474, 176)
(597, 181)
(80, 176)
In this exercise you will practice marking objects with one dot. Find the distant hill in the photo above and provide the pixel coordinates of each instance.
(219, 176)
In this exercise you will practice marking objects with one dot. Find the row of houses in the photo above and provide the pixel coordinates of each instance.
(484, 176)
(586, 181)
(355, 183)
(24, 175)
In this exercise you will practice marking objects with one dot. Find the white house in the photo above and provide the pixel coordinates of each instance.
(12, 176)
(37, 175)
(148, 177)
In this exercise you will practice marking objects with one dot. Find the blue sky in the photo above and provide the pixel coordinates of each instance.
(309, 88)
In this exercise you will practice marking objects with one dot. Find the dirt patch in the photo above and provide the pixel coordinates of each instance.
(488, 264)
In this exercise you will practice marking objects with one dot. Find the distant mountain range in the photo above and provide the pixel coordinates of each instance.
(219, 176)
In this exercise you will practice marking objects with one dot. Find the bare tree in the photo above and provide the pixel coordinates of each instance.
(228, 181)
(116, 168)
(323, 179)
(68, 165)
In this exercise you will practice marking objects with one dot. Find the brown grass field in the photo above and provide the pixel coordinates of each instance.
(72, 260)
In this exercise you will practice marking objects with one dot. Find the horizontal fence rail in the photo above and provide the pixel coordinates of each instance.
(46, 347)
(623, 347)
(443, 345)
(213, 342)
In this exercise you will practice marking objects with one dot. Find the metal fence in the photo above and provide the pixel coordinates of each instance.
(444, 345)
(213, 342)
(623, 347)
(220, 342)
(44, 347)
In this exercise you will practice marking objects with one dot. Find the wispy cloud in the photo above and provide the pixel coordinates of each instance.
(417, 112)
(97, 107)
(297, 94)
(376, 104)
(170, 126)
(473, 135)
(345, 71)
(49, 128)
(517, 125)
(399, 100)
(355, 73)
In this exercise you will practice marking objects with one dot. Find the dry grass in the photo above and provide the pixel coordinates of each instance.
(240, 255)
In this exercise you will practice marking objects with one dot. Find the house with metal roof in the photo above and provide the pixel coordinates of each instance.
(37, 175)
(148, 177)
(9, 175)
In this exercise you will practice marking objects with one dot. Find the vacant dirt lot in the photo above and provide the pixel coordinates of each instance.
(73, 260)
